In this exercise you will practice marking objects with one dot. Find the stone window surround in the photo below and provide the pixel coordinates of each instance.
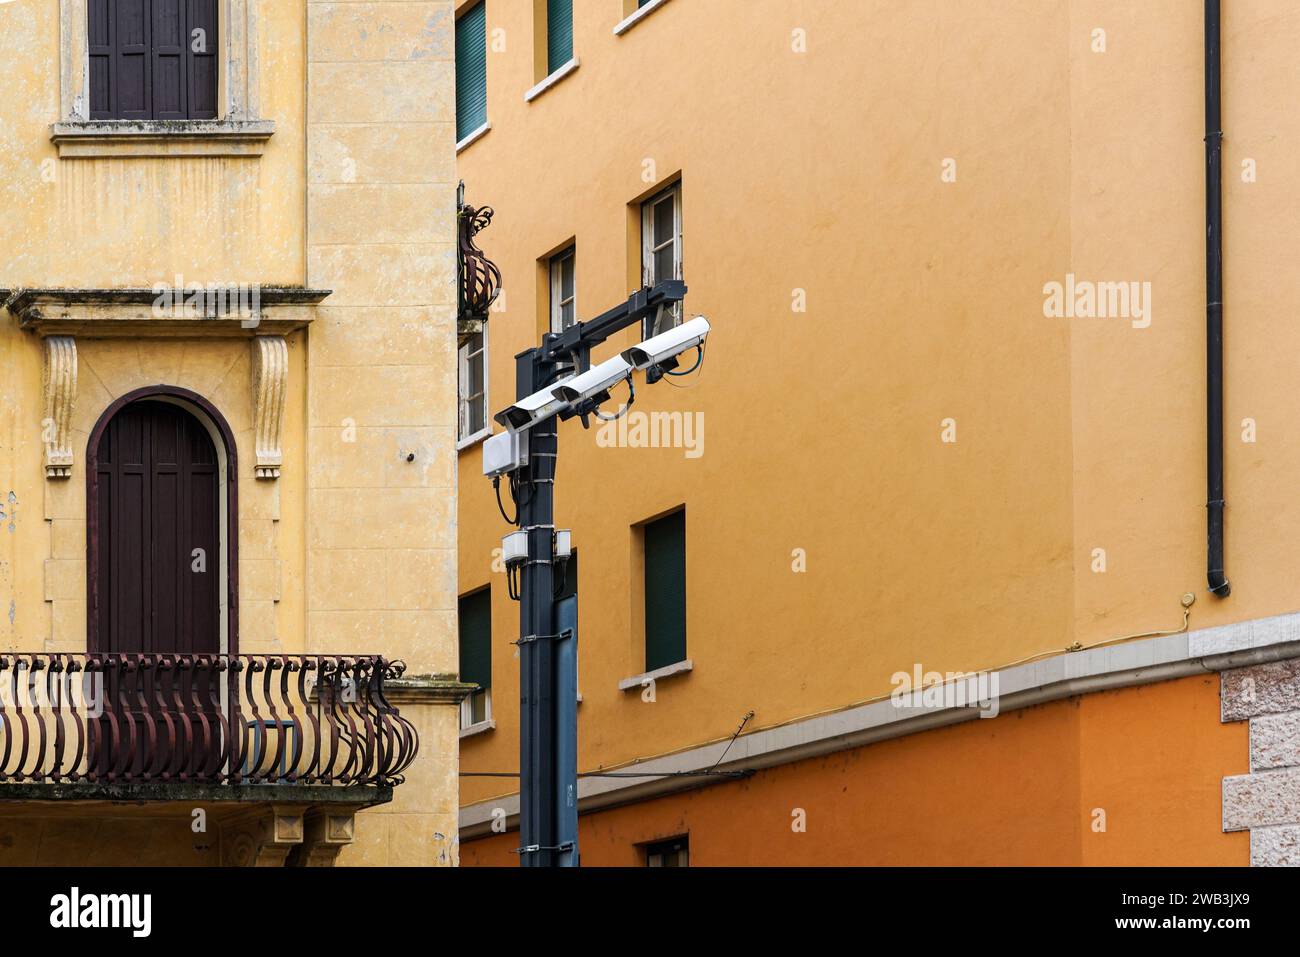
(237, 131)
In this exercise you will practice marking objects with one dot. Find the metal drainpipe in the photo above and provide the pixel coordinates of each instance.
(1218, 580)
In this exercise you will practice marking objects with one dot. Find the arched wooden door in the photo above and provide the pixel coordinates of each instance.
(156, 584)
(159, 548)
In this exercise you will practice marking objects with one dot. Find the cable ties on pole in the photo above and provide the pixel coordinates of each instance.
(538, 848)
(566, 634)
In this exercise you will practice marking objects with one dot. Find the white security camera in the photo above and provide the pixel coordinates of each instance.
(667, 345)
(532, 409)
(595, 382)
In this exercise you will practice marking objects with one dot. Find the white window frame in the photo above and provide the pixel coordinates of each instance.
(462, 367)
(635, 16)
(557, 301)
(649, 247)
(467, 722)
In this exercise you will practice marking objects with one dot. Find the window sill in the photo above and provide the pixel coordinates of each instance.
(102, 138)
(628, 22)
(483, 727)
(667, 671)
(478, 134)
(475, 439)
(551, 80)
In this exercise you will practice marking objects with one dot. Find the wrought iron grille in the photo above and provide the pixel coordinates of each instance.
(201, 719)
(480, 279)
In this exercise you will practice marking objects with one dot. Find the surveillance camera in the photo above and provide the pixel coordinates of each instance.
(667, 345)
(595, 382)
(528, 411)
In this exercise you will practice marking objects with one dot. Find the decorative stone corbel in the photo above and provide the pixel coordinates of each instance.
(60, 381)
(326, 833)
(263, 837)
(270, 379)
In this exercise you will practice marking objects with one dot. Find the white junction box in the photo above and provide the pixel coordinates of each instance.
(505, 452)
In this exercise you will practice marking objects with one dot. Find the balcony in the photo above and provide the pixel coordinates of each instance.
(296, 744)
(479, 280)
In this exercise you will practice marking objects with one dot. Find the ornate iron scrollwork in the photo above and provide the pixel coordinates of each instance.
(480, 279)
(201, 719)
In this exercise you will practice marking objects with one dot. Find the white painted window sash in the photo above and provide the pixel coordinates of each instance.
(558, 299)
(650, 246)
(469, 390)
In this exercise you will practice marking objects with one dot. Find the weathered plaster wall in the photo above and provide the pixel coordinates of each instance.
(380, 537)
(351, 549)
(135, 222)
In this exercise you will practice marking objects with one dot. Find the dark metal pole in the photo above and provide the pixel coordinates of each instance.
(537, 817)
(566, 742)
(1215, 504)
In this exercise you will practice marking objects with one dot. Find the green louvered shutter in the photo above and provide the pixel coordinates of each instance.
(471, 71)
(665, 591)
(476, 638)
(559, 33)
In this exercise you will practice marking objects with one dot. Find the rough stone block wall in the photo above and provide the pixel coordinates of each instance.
(1266, 801)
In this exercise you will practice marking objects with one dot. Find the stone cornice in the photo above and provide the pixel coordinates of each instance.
(101, 138)
(427, 689)
(134, 312)
(356, 797)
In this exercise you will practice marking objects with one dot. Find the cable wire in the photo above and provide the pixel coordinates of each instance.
(496, 487)
(631, 397)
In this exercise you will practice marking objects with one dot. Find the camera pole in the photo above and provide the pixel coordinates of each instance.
(548, 721)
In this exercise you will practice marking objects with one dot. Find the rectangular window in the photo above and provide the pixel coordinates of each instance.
(564, 290)
(152, 59)
(559, 34)
(661, 250)
(471, 71)
(665, 591)
(675, 852)
(476, 655)
(472, 387)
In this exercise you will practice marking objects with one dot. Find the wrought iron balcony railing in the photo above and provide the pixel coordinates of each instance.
(201, 719)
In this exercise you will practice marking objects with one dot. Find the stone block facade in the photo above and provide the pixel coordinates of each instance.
(1266, 801)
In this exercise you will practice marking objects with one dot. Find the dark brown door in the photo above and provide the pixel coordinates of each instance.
(157, 591)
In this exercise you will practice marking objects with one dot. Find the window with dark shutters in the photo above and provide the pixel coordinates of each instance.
(152, 59)
(476, 638)
(665, 591)
(559, 34)
(471, 71)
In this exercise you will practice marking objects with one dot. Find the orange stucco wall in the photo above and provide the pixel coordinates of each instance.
(820, 171)
(1018, 789)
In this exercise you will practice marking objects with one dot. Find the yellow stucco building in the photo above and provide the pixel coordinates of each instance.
(227, 409)
(952, 420)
